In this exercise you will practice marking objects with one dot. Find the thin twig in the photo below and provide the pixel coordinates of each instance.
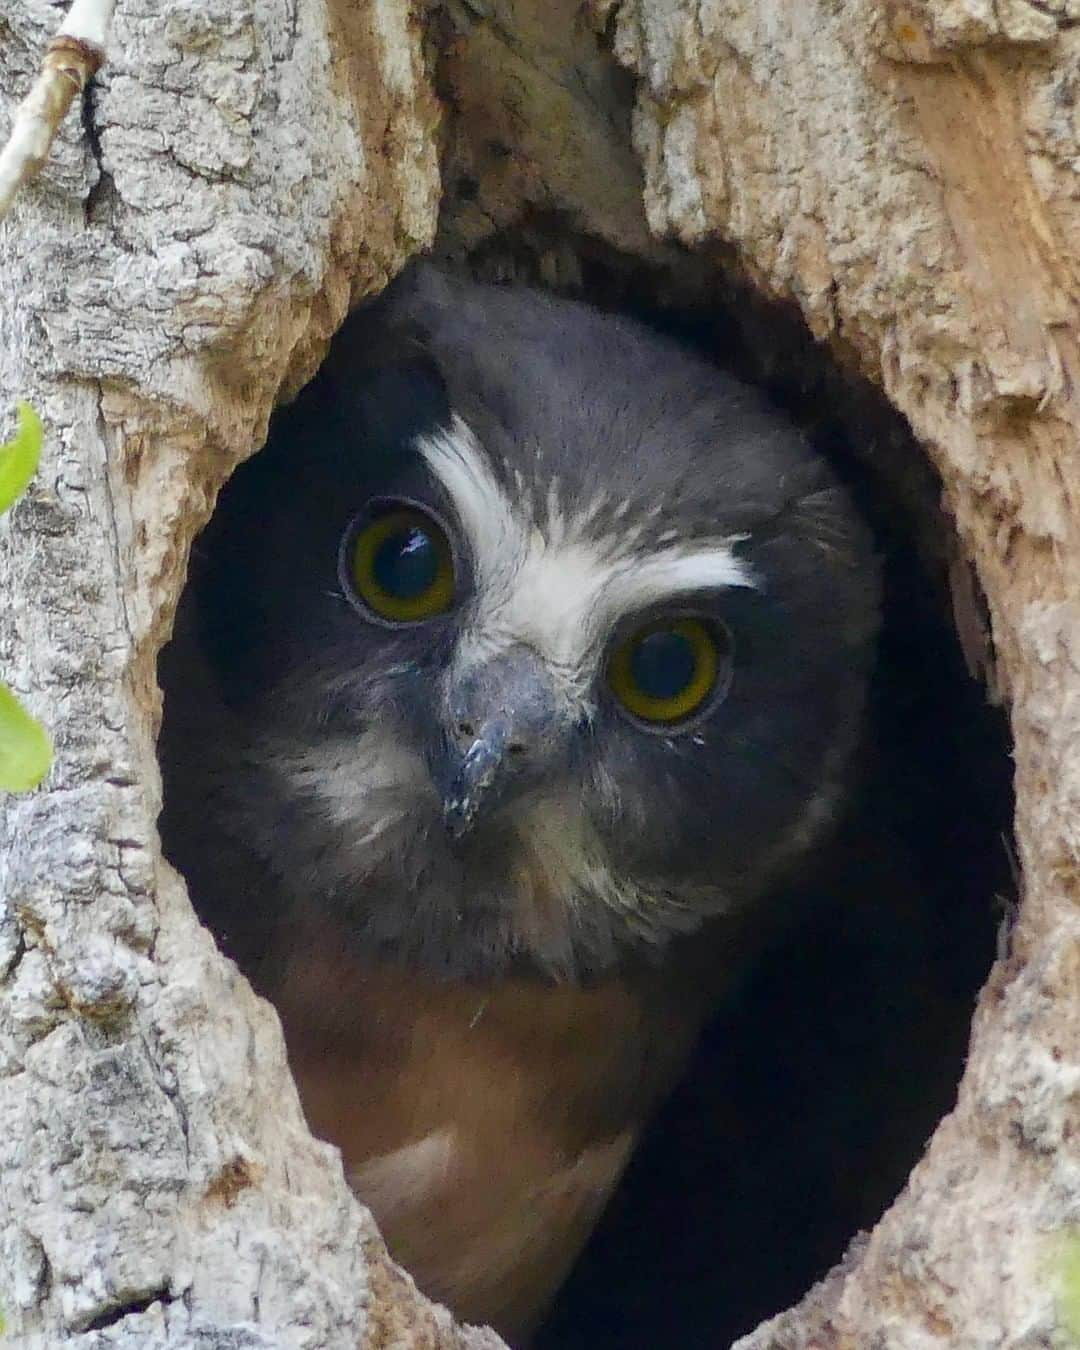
(72, 57)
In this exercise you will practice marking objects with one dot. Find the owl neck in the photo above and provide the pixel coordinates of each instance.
(535, 896)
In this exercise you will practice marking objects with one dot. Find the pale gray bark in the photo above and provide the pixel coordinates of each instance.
(904, 172)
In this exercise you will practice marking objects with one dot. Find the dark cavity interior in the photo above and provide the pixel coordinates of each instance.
(817, 1085)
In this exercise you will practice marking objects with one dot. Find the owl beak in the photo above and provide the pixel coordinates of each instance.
(505, 730)
(476, 776)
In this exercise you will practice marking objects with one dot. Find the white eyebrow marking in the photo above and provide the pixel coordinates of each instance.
(544, 582)
(484, 511)
(675, 571)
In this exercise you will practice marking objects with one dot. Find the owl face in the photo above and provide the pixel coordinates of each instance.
(547, 641)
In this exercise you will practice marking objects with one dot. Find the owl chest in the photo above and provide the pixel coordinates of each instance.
(484, 1125)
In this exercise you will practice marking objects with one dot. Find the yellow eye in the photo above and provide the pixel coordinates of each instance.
(665, 671)
(400, 565)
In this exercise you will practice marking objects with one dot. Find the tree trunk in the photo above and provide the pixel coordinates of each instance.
(242, 175)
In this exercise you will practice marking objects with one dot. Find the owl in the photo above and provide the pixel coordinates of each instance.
(512, 677)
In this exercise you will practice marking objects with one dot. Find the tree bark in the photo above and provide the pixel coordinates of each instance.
(245, 172)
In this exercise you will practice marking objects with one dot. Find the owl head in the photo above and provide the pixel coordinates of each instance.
(542, 640)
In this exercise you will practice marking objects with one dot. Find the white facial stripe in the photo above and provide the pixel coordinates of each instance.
(676, 571)
(547, 584)
(487, 517)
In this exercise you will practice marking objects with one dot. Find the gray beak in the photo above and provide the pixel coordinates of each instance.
(476, 776)
(505, 729)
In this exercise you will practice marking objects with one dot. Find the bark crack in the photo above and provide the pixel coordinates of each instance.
(130, 1305)
(104, 187)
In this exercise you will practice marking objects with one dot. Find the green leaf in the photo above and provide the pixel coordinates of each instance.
(19, 457)
(1070, 1286)
(25, 750)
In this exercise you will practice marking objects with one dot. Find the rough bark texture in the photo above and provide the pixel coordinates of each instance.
(904, 172)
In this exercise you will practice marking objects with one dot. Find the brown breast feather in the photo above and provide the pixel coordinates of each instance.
(484, 1124)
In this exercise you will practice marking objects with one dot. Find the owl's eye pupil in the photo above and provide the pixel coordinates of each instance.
(406, 564)
(663, 663)
(396, 563)
(670, 669)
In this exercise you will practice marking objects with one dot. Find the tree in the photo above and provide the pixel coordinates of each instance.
(243, 174)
